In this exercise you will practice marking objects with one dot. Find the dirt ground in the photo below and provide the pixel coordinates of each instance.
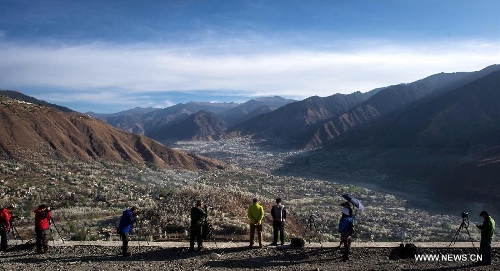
(235, 256)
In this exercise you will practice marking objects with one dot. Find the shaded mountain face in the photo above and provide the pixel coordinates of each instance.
(143, 121)
(430, 147)
(203, 126)
(34, 132)
(290, 122)
(388, 101)
(315, 121)
(475, 177)
(253, 108)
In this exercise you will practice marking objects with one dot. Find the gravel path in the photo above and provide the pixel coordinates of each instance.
(231, 257)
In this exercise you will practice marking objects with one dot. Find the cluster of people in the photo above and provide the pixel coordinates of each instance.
(43, 216)
(199, 215)
(255, 214)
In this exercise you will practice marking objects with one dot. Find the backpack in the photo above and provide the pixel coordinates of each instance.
(278, 212)
(297, 242)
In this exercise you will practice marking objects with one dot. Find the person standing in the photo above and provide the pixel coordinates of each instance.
(127, 220)
(255, 213)
(5, 223)
(487, 233)
(198, 216)
(42, 225)
(278, 212)
(347, 211)
(346, 229)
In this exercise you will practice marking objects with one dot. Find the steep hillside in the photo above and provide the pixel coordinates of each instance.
(203, 125)
(387, 101)
(476, 177)
(31, 131)
(291, 119)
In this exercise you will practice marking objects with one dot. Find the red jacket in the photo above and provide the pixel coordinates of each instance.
(5, 217)
(42, 217)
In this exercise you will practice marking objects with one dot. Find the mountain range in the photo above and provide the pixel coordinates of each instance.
(310, 123)
(162, 123)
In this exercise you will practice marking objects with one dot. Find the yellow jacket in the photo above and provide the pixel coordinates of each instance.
(255, 213)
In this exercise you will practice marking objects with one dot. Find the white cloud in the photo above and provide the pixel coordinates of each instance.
(102, 72)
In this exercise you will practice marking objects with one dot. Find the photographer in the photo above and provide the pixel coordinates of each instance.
(129, 217)
(5, 223)
(198, 215)
(487, 232)
(42, 225)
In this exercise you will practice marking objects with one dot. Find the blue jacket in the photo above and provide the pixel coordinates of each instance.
(127, 221)
(346, 225)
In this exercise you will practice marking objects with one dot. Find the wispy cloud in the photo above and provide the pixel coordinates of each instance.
(106, 72)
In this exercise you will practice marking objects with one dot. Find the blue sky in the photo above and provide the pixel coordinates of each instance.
(108, 56)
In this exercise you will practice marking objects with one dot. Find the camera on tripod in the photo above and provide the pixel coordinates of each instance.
(463, 225)
(465, 215)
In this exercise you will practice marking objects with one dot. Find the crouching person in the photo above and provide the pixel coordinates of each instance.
(42, 225)
(127, 220)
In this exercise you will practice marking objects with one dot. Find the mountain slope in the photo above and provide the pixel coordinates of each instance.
(31, 131)
(389, 100)
(145, 121)
(240, 113)
(291, 119)
(203, 125)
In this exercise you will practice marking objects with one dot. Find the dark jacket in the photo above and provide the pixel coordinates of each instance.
(198, 215)
(278, 212)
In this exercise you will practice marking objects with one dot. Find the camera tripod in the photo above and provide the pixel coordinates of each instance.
(311, 226)
(51, 222)
(463, 225)
(14, 232)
